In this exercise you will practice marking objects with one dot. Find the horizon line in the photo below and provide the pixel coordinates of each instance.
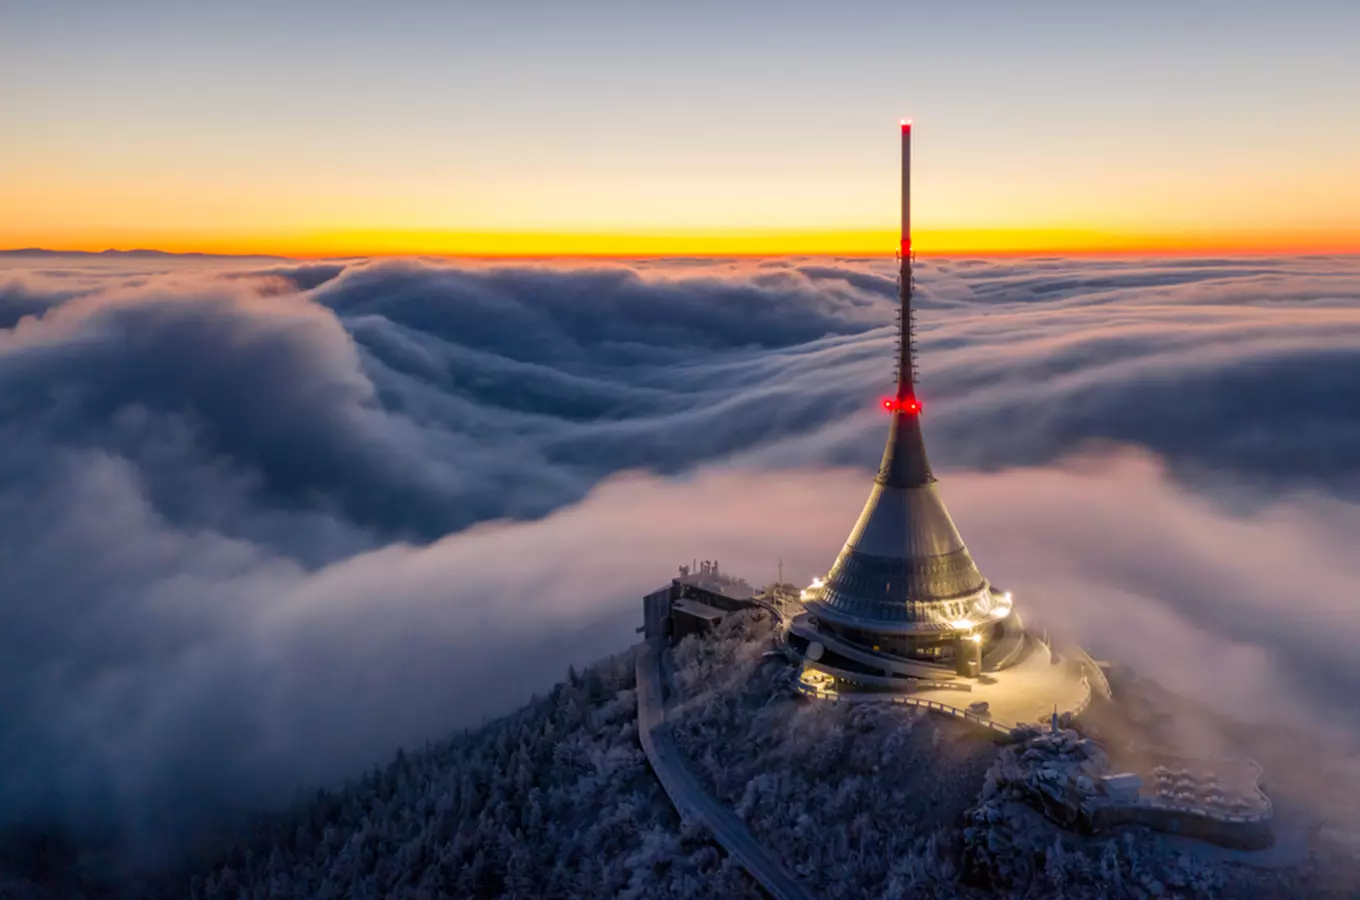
(1035, 253)
(865, 243)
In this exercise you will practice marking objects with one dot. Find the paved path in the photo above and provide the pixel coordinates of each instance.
(1026, 692)
(691, 801)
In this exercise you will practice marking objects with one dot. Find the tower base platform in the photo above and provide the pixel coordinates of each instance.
(1028, 691)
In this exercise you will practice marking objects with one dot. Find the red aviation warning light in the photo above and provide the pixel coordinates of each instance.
(909, 405)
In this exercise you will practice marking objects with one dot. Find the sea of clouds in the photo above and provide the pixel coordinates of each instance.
(261, 522)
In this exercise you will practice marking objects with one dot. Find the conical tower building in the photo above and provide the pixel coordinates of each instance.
(904, 600)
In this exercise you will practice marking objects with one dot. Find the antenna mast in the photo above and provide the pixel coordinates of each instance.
(906, 284)
(904, 458)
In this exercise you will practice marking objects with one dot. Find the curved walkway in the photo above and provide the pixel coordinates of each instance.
(691, 801)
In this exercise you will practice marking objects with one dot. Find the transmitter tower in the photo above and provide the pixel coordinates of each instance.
(905, 584)
(904, 612)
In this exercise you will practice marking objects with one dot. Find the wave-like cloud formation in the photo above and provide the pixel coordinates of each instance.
(253, 513)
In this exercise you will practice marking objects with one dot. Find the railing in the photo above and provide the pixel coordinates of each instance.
(1085, 701)
(1201, 812)
(1102, 682)
(956, 713)
(907, 700)
(779, 616)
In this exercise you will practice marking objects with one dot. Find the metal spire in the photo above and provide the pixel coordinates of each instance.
(904, 567)
(904, 458)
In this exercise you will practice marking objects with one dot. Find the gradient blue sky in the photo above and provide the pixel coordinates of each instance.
(274, 121)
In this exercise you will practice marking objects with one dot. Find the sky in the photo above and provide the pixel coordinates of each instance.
(616, 128)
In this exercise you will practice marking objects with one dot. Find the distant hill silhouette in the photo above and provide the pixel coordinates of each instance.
(134, 254)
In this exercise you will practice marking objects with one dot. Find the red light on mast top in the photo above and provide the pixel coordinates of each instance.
(905, 123)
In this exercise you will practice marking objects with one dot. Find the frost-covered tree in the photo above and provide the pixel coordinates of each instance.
(554, 801)
(557, 800)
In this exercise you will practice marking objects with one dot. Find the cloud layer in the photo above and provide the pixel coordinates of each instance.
(261, 522)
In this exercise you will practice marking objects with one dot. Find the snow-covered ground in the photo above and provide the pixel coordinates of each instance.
(888, 801)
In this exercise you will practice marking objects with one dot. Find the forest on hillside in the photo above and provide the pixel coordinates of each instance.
(557, 800)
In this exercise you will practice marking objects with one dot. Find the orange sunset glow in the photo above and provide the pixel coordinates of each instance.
(529, 245)
(651, 133)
